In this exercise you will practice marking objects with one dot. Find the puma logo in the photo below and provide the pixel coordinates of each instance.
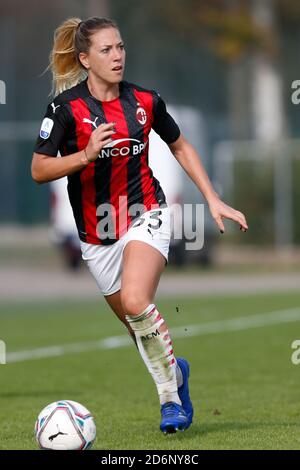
(57, 434)
(91, 122)
(54, 107)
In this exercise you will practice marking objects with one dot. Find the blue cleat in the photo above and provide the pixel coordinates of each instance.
(173, 418)
(183, 391)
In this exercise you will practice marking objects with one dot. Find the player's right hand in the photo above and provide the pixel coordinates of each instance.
(98, 139)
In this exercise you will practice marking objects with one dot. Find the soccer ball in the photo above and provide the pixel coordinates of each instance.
(65, 425)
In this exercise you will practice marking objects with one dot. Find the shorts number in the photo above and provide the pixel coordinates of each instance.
(139, 222)
(154, 216)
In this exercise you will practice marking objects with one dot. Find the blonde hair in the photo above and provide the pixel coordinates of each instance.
(71, 38)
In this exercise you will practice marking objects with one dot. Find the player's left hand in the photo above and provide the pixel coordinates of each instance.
(219, 211)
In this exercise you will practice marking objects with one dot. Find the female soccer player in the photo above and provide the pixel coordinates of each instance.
(100, 126)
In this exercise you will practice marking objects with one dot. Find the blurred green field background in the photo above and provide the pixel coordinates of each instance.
(244, 386)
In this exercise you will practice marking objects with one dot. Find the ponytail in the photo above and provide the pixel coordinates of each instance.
(70, 39)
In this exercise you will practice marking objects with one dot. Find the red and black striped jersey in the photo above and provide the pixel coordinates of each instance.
(108, 194)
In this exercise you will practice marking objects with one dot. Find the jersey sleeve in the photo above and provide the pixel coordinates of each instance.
(53, 131)
(163, 123)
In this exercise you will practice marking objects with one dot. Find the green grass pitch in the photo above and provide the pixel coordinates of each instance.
(244, 386)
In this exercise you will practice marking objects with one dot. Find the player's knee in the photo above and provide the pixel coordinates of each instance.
(134, 303)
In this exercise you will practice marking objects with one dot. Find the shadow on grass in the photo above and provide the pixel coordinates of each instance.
(204, 429)
(209, 428)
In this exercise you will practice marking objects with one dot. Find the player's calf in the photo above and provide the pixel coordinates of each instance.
(155, 346)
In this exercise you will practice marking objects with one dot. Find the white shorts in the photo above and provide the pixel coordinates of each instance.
(105, 262)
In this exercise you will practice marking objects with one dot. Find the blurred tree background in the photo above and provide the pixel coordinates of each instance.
(233, 60)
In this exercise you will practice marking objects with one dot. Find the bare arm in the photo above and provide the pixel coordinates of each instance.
(45, 168)
(190, 161)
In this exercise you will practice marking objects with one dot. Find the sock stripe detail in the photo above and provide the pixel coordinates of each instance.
(157, 318)
(156, 349)
(151, 312)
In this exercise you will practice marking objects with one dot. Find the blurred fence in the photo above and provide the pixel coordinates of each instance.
(262, 180)
(21, 201)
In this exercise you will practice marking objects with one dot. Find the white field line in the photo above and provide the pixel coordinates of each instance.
(200, 329)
